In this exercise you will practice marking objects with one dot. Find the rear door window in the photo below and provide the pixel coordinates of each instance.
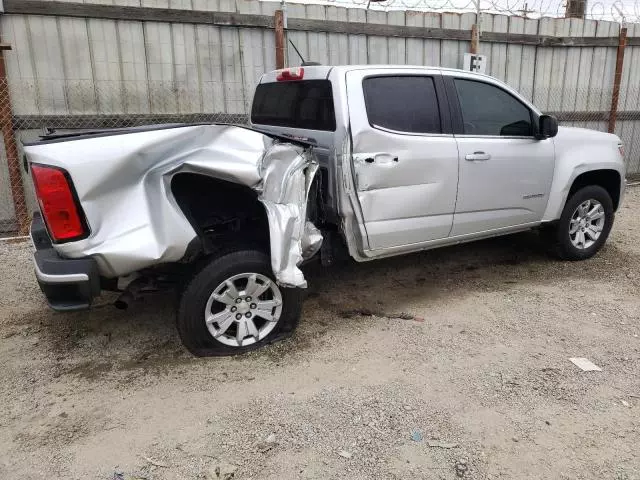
(402, 103)
(307, 105)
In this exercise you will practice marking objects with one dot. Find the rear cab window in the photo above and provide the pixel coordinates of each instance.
(306, 104)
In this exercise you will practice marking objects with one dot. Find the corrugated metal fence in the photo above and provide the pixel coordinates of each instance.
(132, 62)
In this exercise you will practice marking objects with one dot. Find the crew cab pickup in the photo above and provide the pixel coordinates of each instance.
(374, 160)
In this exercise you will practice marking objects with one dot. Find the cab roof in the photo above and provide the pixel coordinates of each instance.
(321, 72)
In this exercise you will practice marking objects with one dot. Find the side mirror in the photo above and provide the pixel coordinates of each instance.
(547, 127)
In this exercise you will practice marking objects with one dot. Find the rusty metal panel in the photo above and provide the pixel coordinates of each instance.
(629, 100)
(449, 48)
(544, 57)
(78, 77)
(317, 41)
(600, 74)
(497, 66)
(378, 49)
(268, 37)
(358, 52)
(133, 66)
(299, 39)
(415, 46)
(105, 64)
(48, 64)
(185, 64)
(397, 46)
(520, 60)
(432, 48)
(337, 43)
(514, 57)
(572, 64)
(20, 68)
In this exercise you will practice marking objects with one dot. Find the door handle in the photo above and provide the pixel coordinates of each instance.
(477, 157)
(381, 158)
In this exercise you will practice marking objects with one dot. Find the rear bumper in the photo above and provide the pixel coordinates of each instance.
(68, 284)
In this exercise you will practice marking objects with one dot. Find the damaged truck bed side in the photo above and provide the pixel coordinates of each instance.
(137, 189)
(144, 200)
(382, 160)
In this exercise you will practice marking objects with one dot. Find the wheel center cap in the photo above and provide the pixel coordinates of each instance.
(583, 222)
(243, 307)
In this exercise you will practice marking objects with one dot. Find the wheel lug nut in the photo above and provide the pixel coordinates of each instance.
(238, 316)
(253, 305)
(248, 299)
(248, 315)
(238, 300)
(233, 309)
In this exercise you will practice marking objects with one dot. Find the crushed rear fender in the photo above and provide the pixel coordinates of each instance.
(123, 183)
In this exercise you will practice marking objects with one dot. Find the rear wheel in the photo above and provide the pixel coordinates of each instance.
(584, 225)
(234, 305)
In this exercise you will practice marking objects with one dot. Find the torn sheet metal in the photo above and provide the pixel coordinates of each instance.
(287, 176)
(123, 183)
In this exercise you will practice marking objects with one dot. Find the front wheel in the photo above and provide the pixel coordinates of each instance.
(584, 225)
(234, 305)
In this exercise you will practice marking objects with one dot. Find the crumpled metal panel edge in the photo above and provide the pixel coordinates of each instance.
(287, 176)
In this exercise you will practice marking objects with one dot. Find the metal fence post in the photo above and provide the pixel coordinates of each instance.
(617, 79)
(11, 149)
(279, 30)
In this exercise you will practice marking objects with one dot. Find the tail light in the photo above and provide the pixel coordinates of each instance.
(621, 149)
(58, 203)
(289, 74)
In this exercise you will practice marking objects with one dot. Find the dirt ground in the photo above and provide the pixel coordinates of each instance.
(477, 384)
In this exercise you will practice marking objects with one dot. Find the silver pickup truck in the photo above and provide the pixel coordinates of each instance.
(371, 160)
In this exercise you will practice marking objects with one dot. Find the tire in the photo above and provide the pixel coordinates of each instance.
(231, 318)
(570, 246)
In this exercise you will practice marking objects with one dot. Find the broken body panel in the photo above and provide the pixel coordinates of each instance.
(123, 184)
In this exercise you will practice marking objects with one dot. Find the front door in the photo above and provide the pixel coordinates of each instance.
(505, 173)
(405, 158)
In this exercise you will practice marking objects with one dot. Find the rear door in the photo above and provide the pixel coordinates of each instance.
(405, 158)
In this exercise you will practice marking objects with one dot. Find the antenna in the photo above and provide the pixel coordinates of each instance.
(304, 62)
(294, 47)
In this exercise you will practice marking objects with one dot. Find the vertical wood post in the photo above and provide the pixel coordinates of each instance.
(11, 149)
(279, 30)
(474, 38)
(617, 79)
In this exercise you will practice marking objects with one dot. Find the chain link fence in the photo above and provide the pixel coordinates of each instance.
(42, 106)
(33, 108)
(13, 206)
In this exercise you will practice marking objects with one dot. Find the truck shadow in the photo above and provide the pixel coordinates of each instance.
(388, 287)
(144, 337)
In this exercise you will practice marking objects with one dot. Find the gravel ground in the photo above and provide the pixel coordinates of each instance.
(477, 383)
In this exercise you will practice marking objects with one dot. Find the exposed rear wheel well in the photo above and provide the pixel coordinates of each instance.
(222, 213)
(607, 179)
